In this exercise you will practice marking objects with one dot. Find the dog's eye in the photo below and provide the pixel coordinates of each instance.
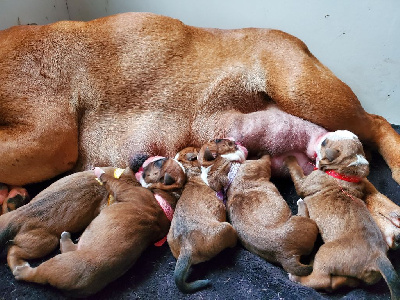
(218, 141)
(323, 144)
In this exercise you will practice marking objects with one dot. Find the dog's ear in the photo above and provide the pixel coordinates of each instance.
(208, 156)
(159, 163)
(331, 154)
(191, 156)
(168, 179)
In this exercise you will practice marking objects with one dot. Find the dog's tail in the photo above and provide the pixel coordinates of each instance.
(389, 274)
(7, 227)
(182, 271)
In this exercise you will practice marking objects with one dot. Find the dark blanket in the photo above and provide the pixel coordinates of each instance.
(235, 273)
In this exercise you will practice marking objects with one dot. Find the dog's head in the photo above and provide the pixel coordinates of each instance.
(226, 148)
(188, 158)
(163, 173)
(343, 152)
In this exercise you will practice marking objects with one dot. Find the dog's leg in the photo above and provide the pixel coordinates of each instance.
(317, 280)
(30, 246)
(315, 94)
(43, 146)
(66, 244)
(302, 209)
(386, 214)
(296, 172)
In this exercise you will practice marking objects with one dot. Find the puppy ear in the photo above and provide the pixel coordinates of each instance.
(208, 156)
(331, 154)
(168, 179)
(191, 156)
(159, 163)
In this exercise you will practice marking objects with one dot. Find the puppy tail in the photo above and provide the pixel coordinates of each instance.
(182, 271)
(389, 274)
(7, 228)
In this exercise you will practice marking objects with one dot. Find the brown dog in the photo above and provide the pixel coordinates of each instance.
(259, 214)
(354, 248)
(69, 204)
(110, 245)
(117, 82)
(199, 230)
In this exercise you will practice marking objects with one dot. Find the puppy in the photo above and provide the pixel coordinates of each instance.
(69, 204)
(260, 216)
(354, 249)
(199, 230)
(110, 245)
(161, 173)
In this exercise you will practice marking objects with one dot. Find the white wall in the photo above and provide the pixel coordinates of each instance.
(358, 40)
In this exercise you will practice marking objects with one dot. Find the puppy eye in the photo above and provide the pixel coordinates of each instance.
(323, 144)
(218, 141)
(230, 143)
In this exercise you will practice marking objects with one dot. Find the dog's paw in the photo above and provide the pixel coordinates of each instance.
(391, 233)
(396, 175)
(98, 172)
(20, 272)
(65, 235)
(294, 278)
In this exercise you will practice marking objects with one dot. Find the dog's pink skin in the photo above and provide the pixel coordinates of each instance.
(276, 132)
(279, 134)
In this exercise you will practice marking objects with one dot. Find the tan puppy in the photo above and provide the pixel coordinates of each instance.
(110, 245)
(354, 248)
(162, 173)
(260, 215)
(199, 230)
(116, 105)
(69, 204)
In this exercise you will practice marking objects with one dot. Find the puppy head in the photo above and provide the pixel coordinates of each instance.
(163, 173)
(188, 158)
(226, 148)
(343, 152)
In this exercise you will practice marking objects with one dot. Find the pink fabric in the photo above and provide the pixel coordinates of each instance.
(169, 212)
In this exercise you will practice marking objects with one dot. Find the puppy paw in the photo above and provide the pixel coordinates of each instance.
(396, 175)
(65, 235)
(20, 272)
(98, 172)
(391, 233)
(294, 278)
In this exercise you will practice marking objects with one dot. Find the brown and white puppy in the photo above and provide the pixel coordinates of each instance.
(162, 173)
(110, 245)
(199, 230)
(69, 204)
(259, 214)
(354, 248)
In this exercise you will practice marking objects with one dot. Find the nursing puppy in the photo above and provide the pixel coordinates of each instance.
(354, 248)
(260, 216)
(110, 245)
(69, 204)
(162, 173)
(199, 230)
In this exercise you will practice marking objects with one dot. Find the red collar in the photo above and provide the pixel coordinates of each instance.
(337, 175)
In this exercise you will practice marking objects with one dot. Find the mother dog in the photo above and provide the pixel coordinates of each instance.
(78, 94)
